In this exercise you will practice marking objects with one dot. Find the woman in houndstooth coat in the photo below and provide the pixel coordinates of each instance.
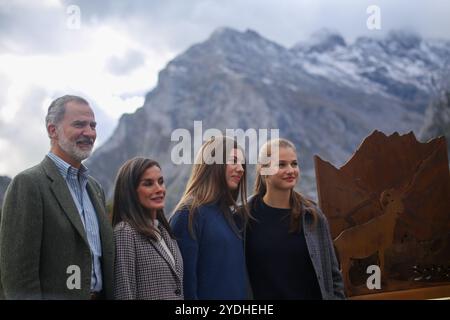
(148, 262)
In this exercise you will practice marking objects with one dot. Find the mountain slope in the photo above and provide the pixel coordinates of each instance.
(325, 97)
(4, 182)
(437, 119)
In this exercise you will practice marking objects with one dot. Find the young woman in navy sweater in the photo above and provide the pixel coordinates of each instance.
(289, 250)
(208, 223)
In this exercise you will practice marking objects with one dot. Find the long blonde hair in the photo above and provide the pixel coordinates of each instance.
(297, 201)
(207, 183)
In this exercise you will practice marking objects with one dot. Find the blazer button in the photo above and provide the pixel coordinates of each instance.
(178, 292)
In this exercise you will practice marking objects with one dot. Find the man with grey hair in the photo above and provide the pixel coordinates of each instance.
(55, 239)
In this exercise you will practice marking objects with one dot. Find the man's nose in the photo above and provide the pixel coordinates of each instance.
(90, 132)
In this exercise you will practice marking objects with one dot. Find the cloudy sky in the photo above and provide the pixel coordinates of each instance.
(111, 51)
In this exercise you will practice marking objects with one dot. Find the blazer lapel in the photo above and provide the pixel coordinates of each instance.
(174, 250)
(64, 197)
(175, 268)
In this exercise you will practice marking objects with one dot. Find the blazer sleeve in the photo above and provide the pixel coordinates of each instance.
(125, 264)
(20, 239)
(189, 251)
(338, 283)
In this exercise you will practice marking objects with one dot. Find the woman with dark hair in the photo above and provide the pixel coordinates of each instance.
(208, 223)
(148, 264)
(289, 250)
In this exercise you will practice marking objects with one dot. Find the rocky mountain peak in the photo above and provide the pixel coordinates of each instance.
(228, 41)
(404, 40)
(322, 41)
(325, 101)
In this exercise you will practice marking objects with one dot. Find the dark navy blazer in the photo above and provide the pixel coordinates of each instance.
(214, 262)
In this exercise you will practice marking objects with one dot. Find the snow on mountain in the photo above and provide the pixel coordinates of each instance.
(326, 95)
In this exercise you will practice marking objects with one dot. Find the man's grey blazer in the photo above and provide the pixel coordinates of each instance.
(44, 249)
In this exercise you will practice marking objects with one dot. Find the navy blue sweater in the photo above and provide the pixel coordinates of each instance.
(279, 264)
(214, 262)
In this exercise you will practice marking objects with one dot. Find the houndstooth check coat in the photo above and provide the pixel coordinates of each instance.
(143, 270)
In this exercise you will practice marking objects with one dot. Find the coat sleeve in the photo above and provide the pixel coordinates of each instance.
(338, 283)
(189, 251)
(20, 239)
(125, 265)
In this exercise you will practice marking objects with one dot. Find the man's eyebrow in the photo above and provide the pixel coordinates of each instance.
(84, 122)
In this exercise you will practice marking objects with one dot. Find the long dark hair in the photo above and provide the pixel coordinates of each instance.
(207, 183)
(297, 201)
(126, 205)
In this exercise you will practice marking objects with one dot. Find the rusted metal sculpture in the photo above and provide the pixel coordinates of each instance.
(389, 206)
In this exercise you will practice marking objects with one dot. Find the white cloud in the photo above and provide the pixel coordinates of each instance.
(23, 140)
(47, 76)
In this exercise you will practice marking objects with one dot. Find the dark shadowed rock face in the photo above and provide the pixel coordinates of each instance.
(326, 100)
(4, 182)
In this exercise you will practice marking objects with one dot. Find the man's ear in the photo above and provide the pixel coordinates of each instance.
(51, 131)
